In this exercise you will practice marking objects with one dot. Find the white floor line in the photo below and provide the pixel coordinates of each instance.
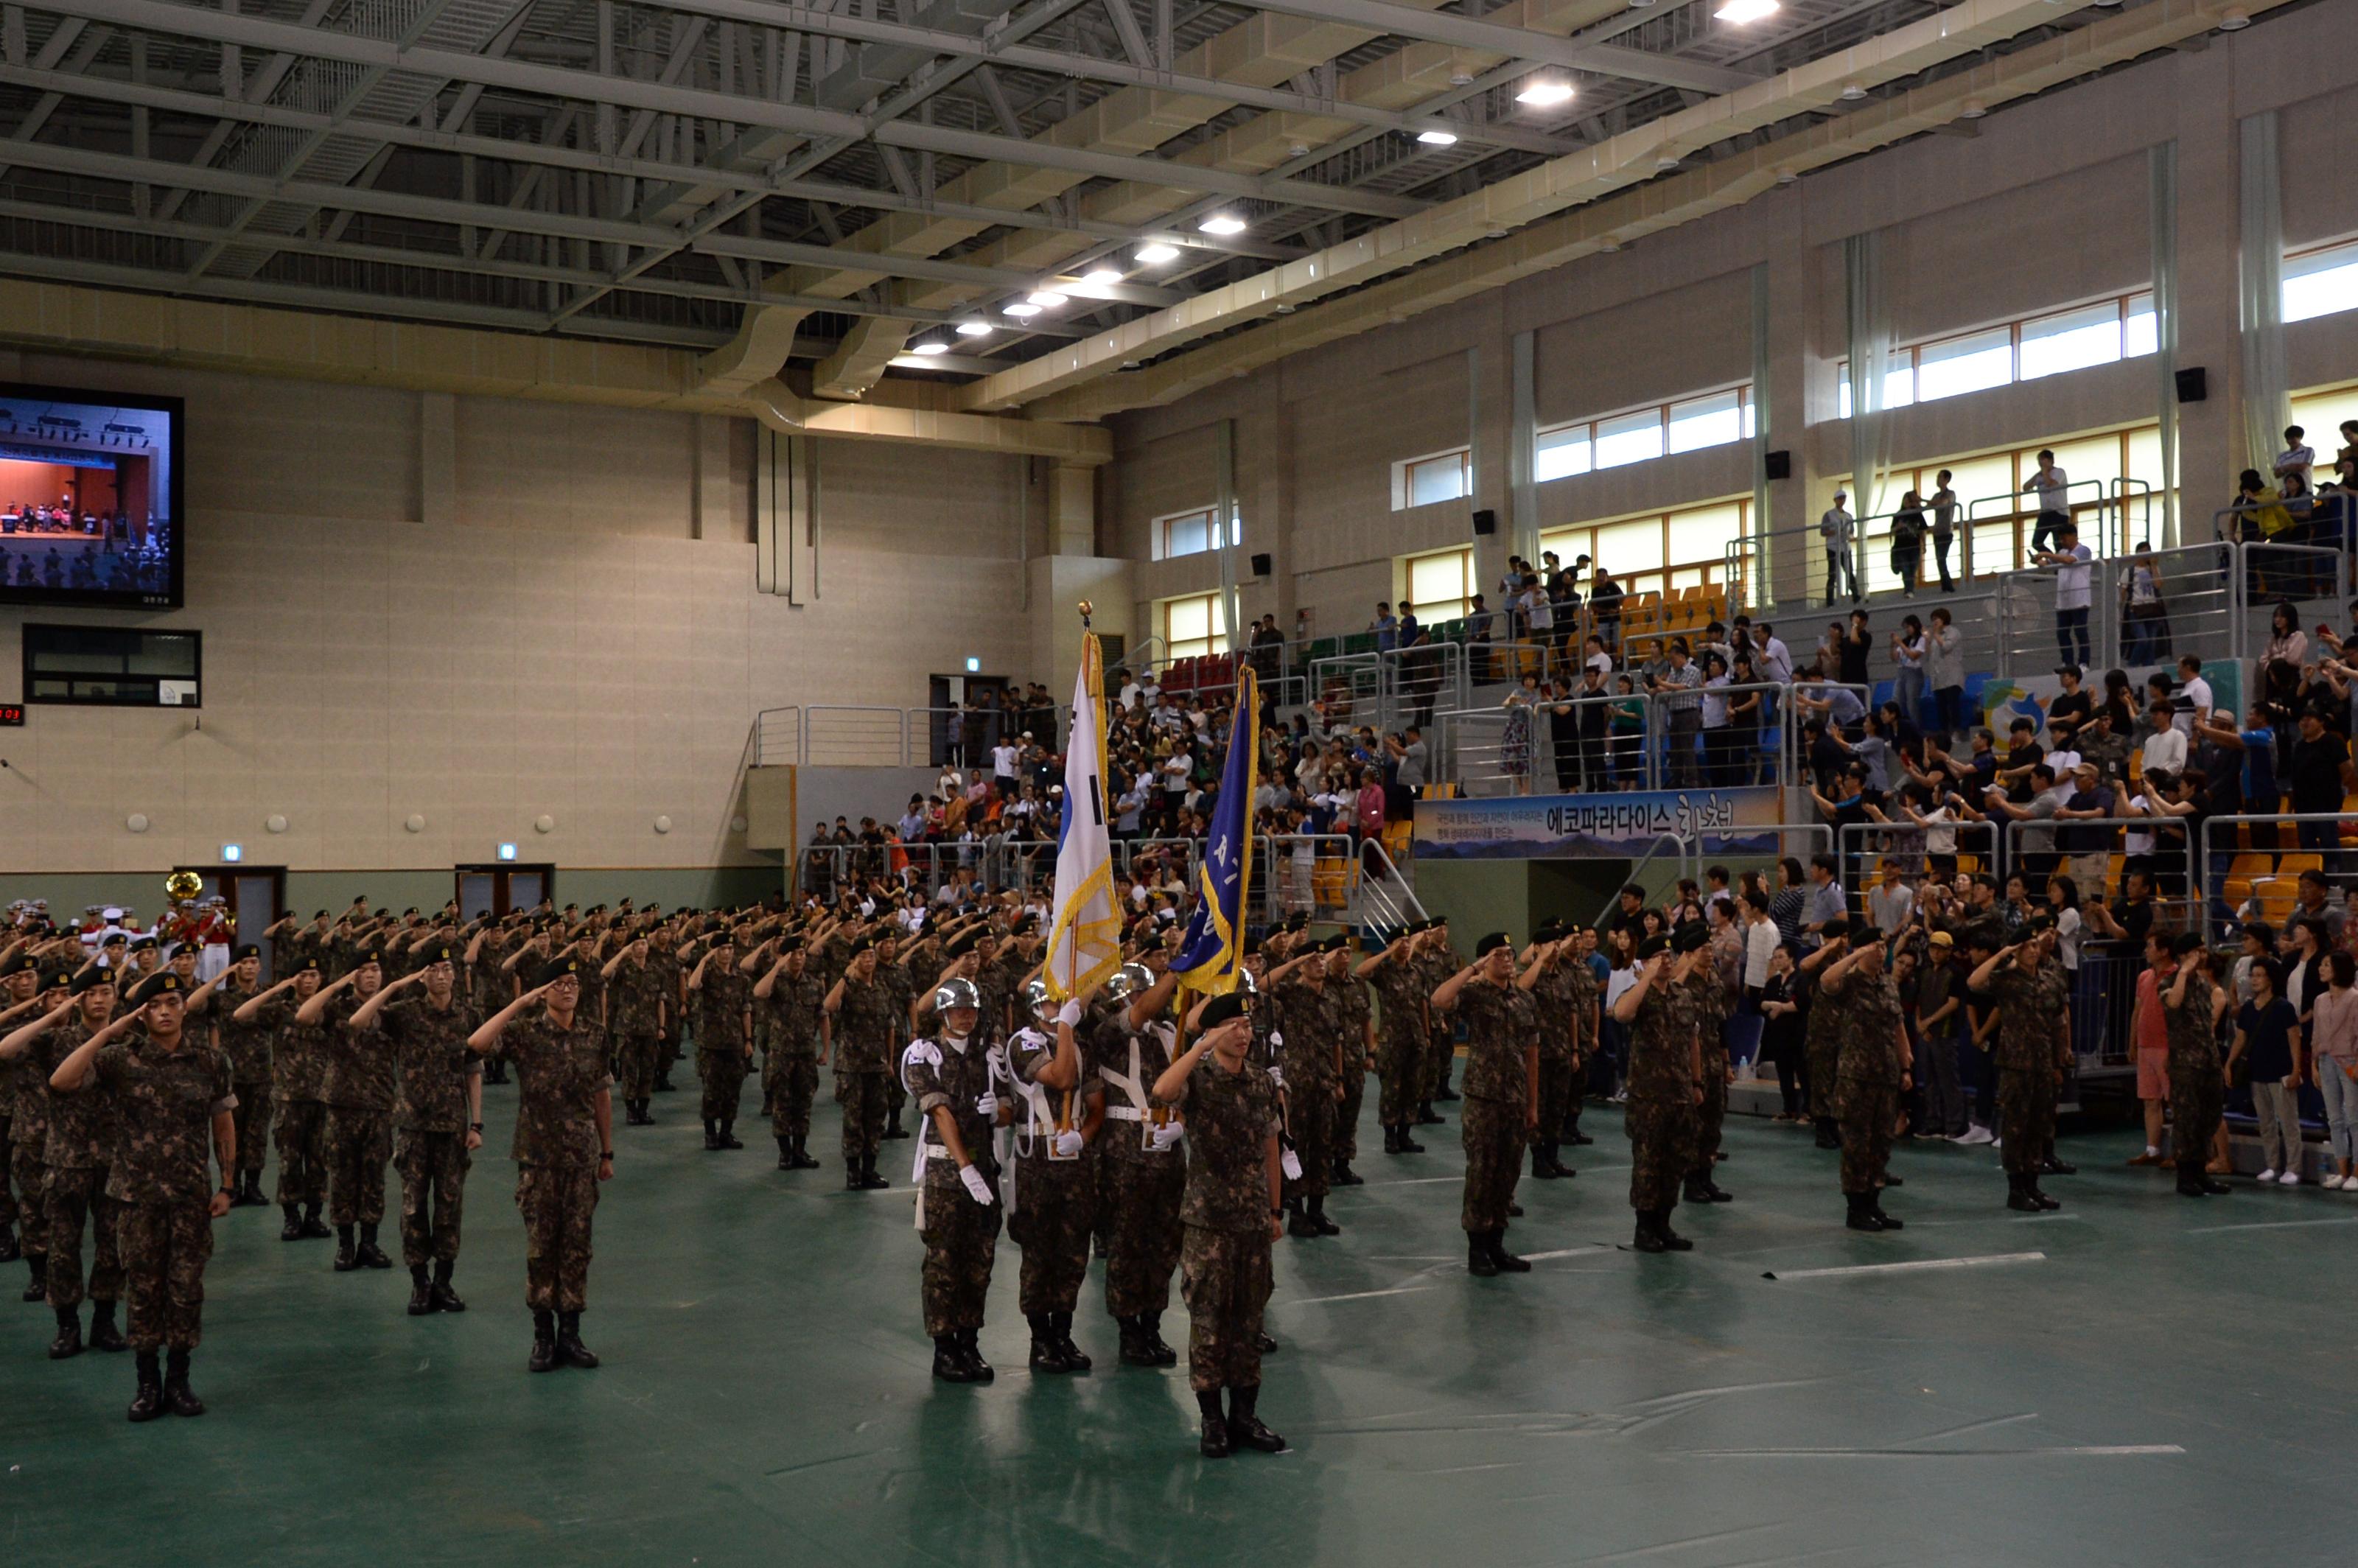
(2088, 1451)
(1565, 1252)
(2273, 1225)
(1360, 1296)
(1916, 1265)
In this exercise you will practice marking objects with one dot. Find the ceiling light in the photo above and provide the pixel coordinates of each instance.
(1461, 77)
(974, 329)
(1155, 255)
(1046, 298)
(1021, 311)
(1745, 10)
(1102, 277)
(1852, 92)
(1787, 176)
(1437, 138)
(1222, 224)
(2233, 22)
(1664, 164)
(1611, 246)
(1545, 94)
(1973, 110)
(930, 348)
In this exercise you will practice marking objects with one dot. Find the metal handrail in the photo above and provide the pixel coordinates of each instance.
(2214, 889)
(1652, 850)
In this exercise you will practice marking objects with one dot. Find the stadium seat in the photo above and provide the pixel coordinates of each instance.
(2275, 895)
(2242, 872)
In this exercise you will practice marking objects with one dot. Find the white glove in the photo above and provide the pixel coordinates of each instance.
(1291, 1163)
(986, 1105)
(977, 1185)
(1070, 1014)
(1068, 1143)
(1166, 1136)
(1277, 1074)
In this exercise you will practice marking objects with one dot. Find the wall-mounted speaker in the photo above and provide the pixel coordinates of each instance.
(1778, 465)
(1260, 566)
(2193, 385)
(1485, 522)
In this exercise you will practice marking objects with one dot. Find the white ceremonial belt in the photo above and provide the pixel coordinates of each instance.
(1124, 1113)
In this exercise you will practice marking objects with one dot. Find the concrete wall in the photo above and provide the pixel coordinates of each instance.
(477, 614)
(2045, 207)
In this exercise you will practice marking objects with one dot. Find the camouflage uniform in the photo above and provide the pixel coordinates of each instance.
(901, 986)
(634, 1001)
(1145, 1185)
(429, 1122)
(1582, 996)
(1402, 1049)
(84, 1148)
(1553, 994)
(790, 1065)
(1661, 1087)
(561, 1075)
(863, 1036)
(720, 1042)
(298, 1087)
(1822, 1044)
(1502, 1026)
(1441, 1046)
(1347, 999)
(1866, 1075)
(1224, 1258)
(28, 1145)
(665, 965)
(360, 1115)
(2031, 1041)
(2197, 1088)
(167, 1100)
(1711, 1009)
(960, 1234)
(1055, 1200)
(247, 1046)
(1306, 1018)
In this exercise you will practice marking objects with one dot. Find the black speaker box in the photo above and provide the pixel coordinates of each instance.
(2193, 385)
(1260, 566)
(1486, 522)
(1778, 465)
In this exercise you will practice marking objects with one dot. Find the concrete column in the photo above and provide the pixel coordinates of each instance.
(1072, 510)
(1265, 479)
(438, 459)
(709, 513)
(1796, 355)
(2210, 330)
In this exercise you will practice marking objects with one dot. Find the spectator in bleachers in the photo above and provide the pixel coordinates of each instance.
(1744, 711)
(2052, 486)
(1910, 649)
(1891, 903)
(1908, 543)
(2145, 619)
(1679, 681)
(2267, 1044)
(1826, 912)
(2312, 901)
(1788, 904)
(2334, 1053)
(1775, 661)
(1944, 527)
(2286, 641)
(2320, 774)
(1834, 531)
(2086, 850)
(2293, 467)
(1479, 622)
(1780, 1035)
(1386, 626)
(2074, 572)
(2163, 747)
(1515, 741)
(2150, 1039)
(1605, 608)
(1852, 649)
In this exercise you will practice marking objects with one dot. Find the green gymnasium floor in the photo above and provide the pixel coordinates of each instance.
(2167, 1383)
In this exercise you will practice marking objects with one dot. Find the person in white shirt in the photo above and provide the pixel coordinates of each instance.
(1772, 659)
(1891, 903)
(1835, 533)
(2165, 743)
(1004, 758)
(2053, 488)
(2293, 466)
(1760, 940)
(2074, 573)
(2196, 691)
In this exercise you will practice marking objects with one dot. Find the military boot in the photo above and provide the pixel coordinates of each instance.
(1409, 1145)
(1163, 1355)
(729, 1136)
(543, 1341)
(148, 1402)
(179, 1397)
(1862, 1212)
(293, 1230)
(1245, 1428)
(949, 1361)
(2017, 1193)
(973, 1352)
(445, 1298)
(568, 1342)
(1134, 1349)
(68, 1344)
(1074, 1357)
(421, 1291)
(314, 1229)
(346, 1262)
(1047, 1355)
(803, 1161)
(1478, 1255)
(103, 1335)
(711, 1136)
(1298, 1223)
(1391, 1141)
(37, 1285)
(1506, 1262)
(1670, 1238)
(1213, 1444)
(869, 1179)
(370, 1255)
(1649, 1237)
(1542, 1166)
(1316, 1211)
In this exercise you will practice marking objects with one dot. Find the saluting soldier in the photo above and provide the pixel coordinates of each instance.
(1306, 1018)
(949, 1076)
(28, 1130)
(299, 1089)
(2196, 1084)
(1058, 1107)
(171, 1095)
(1354, 1031)
(724, 1038)
(795, 1003)
(246, 1043)
(437, 1120)
(1707, 986)
(1441, 961)
(79, 1158)
(1665, 1086)
(1551, 969)
(359, 1094)
(2034, 1048)
(1130, 1043)
(1870, 1073)
(1232, 1215)
(1502, 1093)
(1822, 1032)
(564, 1148)
(1402, 1048)
(635, 1013)
(20, 982)
(859, 1010)
(1586, 994)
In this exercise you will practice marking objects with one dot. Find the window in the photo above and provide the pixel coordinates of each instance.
(1647, 554)
(1195, 626)
(2321, 282)
(2094, 334)
(112, 667)
(1611, 440)
(1440, 585)
(1190, 533)
(1443, 476)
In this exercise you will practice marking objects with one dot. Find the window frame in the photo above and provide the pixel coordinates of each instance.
(1589, 427)
(1158, 537)
(1909, 358)
(1216, 638)
(1404, 477)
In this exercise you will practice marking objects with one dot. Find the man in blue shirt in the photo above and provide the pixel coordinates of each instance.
(1386, 630)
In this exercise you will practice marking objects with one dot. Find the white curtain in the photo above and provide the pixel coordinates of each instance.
(2162, 209)
(1870, 356)
(2267, 396)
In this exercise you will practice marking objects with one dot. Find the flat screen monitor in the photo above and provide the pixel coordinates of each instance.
(90, 497)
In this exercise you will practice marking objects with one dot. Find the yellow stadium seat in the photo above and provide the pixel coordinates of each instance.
(2242, 872)
(2291, 866)
(2276, 896)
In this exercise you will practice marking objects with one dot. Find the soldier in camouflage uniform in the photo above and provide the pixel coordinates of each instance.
(1871, 1072)
(2034, 1046)
(298, 1087)
(1058, 1108)
(1232, 1215)
(903, 984)
(635, 1020)
(1665, 1087)
(1440, 962)
(1306, 1018)
(794, 1002)
(359, 1096)
(247, 1046)
(82, 1145)
(1401, 1047)
(1129, 1043)
(20, 981)
(564, 1148)
(2197, 1086)
(1584, 997)
(1822, 1042)
(1551, 968)
(438, 1122)
(1713, 1001)
(724, 1038)
(170, 1093)
(949, 1076)
(29, 1131)
(1355, 1032)
(1501, 1106)
(859, 1012)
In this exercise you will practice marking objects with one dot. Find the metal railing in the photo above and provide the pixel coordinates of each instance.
(1521, 748)
(2315, 832)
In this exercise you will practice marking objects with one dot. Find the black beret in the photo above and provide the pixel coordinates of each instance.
(442, 953)
(1221, 1008)
(112, 939)
(142, 944)
(1653, 945)
(2186, 942)
(410, 910)
(245, 950)
(319, 915)
(55, 980)
(557, 969)
(1864, 930)
(1495, 940)
(91, 980)
(1339, 942)
(164, 982)
(959, 946)
(1690, 938)
(1252, 947)
(307, 967)
(15, 965)
(1296, 921)
(366, 956)
(860, 945)
(789, 945)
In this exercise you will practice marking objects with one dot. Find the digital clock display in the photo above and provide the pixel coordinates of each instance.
(12, 715)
